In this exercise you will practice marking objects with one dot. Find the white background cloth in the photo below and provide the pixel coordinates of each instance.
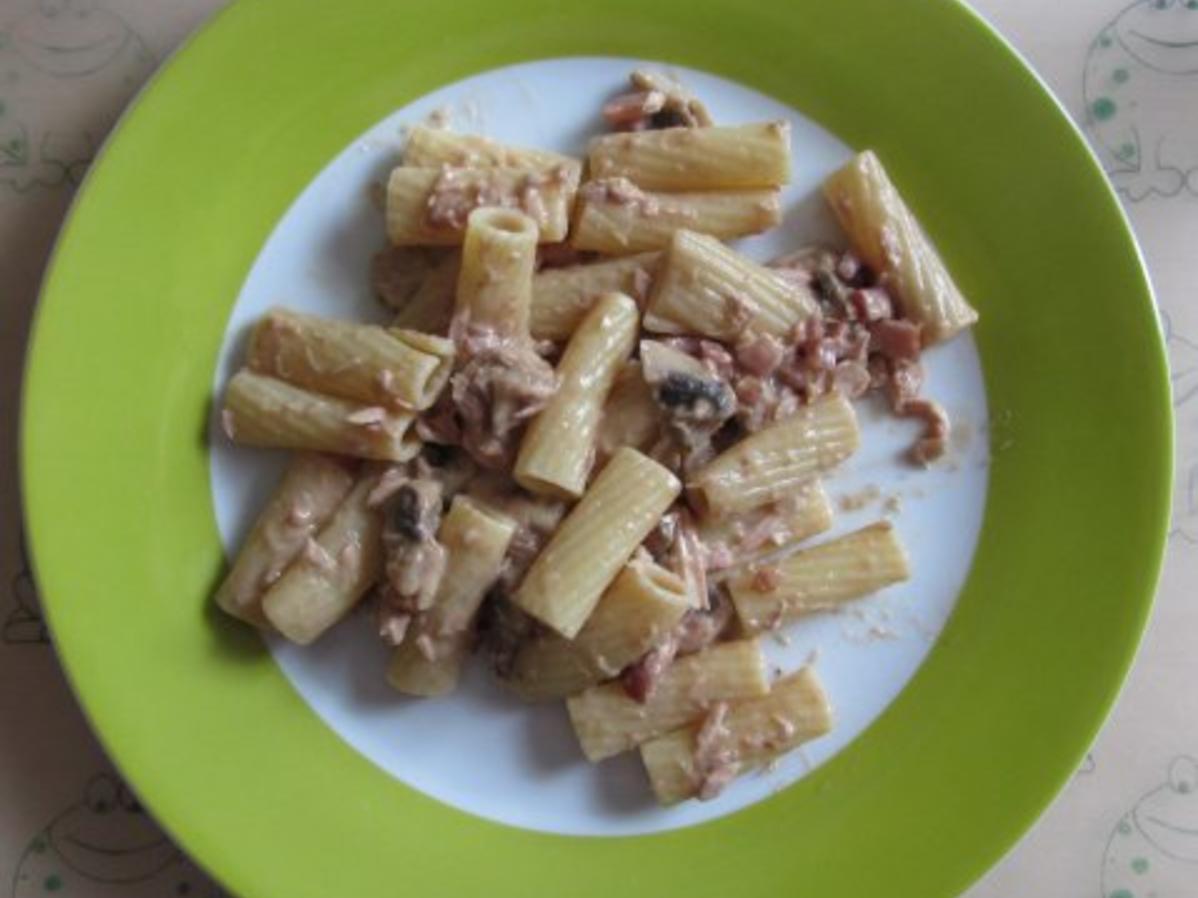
(1090, 844)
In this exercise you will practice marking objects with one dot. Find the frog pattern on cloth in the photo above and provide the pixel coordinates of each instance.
(66, 69)
(1183, 372)
(1153, 850)
(105, 846)
(1141, 93)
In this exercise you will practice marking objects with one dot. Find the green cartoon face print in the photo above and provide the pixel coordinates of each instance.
(1153, 851)
(66, 69)
(103, 846)
(1141, 90)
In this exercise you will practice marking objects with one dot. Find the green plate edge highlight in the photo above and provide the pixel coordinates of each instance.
(197, 715)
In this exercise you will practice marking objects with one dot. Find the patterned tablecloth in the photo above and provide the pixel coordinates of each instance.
(1125, 827)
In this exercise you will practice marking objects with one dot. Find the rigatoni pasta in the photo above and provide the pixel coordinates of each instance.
(746, 536)
(708, 289)
(333, 571)
(595, 540)
(311, 490)
(559, 447)
(268, 412)
(359, 362)
(715, 158)
(773, 463)
(607, 721)
(640, 609)
(737, 737)
(428, 147)
(430, 308)
(631, 416)
(561, 297)
(494, 289)
(428, 662)
(820, 577)
(429, 206)
(615, 216)
(888, 237)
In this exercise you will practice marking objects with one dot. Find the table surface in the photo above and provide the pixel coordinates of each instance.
(1089, 843)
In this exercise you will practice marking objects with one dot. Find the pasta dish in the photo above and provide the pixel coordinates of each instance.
(589, 445)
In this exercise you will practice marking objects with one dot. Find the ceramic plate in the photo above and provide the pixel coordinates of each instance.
(242, 178)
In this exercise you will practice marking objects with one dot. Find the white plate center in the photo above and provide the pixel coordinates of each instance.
(480, 750)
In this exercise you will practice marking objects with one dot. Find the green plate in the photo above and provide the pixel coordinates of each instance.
(233, 761)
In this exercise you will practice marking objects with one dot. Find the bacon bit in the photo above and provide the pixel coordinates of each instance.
(896, 339)
(760, 355)
(871, 304)
(228, 423)
(766, 579)
(934, 441)
(371, 416)
(640, 678)
(628, 110)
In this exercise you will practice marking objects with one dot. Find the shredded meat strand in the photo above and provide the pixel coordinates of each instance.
(501, 384)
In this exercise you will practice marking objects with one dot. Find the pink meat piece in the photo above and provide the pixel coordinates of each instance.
(760, 356)
(632, 111)
(640, 678)
(934, 442)
(896, 339)
(871, 304)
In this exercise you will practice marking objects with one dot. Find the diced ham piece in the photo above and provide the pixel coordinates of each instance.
(896, 339)
(760, 356)
(631, 111)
